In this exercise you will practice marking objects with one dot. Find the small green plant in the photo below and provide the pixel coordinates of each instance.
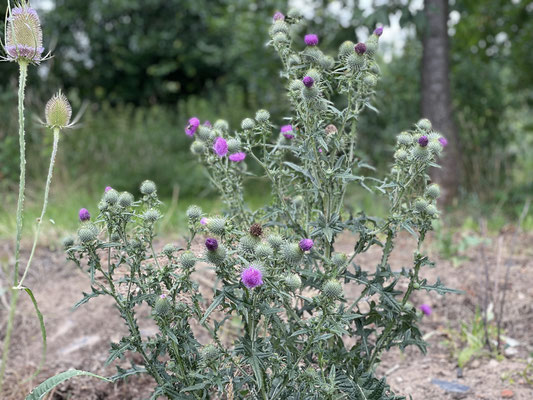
(311, 322)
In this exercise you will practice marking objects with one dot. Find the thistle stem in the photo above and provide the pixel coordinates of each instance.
(23, 69)
(45, 204)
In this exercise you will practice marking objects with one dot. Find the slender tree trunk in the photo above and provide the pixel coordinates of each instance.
(436, 96)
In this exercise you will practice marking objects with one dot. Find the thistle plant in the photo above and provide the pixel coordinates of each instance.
(312, 321)
(24, 45)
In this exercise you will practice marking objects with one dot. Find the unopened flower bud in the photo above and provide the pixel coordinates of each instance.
(111, 197)
(276, 241)
(293, 282)
(248, 243)
(197, 147)
(332, 289)
(264, 250)
(279, 26)
(169, 249)
(58, 111)
(346, 48)
(292, 253)
(421, 205)
(234, 145)
(221, 125)
(424, 124)
(151, 215)
(262, 116)
(125, 199)
(148, 187)
(162, 306)
(194, 213)
(216, 257)
(87, 233)
(188, 260)
(433, 191)
(216, 226)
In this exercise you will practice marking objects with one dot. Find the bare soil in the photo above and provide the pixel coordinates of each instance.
(80, 339)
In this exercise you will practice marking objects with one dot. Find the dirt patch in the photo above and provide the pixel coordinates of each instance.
(80, 339)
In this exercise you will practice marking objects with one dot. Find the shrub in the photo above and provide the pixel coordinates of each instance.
(313, 323)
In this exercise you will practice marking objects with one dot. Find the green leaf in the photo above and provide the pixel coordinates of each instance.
(43, 330)
(213, 305)
(45, 387)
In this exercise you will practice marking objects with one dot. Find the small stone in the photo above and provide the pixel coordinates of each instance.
(511, 351)
(452, 387)
(507, 394)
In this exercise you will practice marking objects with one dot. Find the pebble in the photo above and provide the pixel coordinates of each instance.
(507, 394)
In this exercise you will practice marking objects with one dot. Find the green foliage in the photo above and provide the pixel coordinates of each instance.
(292, 342)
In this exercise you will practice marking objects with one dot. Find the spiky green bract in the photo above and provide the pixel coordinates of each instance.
(293, 282)
(221, 125)
(217, 225)
(263, 251)
(87, 233)
(262, 116)
(151, 215)
(433, 191)
(248, 243)
(125, 199)
(169, 249)
(194, 213)
(292, 254)
(148, 187)
(247, 124)
(111, 197)
(209, 353)
(275, 240)
(217, 256)
(332, 289)
(188, 260)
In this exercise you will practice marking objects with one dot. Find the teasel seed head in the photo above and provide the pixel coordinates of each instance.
(58, 111)
(23, 35)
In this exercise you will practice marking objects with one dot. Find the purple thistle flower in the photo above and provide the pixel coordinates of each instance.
(203, 221)
(423, 141)
(443, 141)
(278, 16)
(360, 48)
(308, 81)
(220, 146)
(286, 130)
(426, 309)
(191, 126)
(237, 157)
(208, 124)
(320, 150)
(108, 188)
(378, 31)
(211, 244)
(311, 39)
(252, 277)
(84, 215)
(306, 244)
(163, 296)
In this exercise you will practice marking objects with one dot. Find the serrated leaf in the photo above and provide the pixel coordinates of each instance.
(45, 387)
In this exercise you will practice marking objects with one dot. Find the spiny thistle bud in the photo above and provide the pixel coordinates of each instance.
(24, 36)
(256, 230)
(209, 353)
(169, 249)
(262, 116)
(279, 26)
(280, 38)
(247, 124)
(216, 257)
(327, 62)
(194, 213)
(313, 54)
(162, 306)
(294, 60)
(264, 250)
(234, 145)
(298, 201)
(248, 243)
(252, 277)
(404, 138)
(346, 48)
(308, 81)
(115, 237)
(421, 205)
(371, 45)
(217, 226)
(111, 197)
(296, 85)
(197, 147)
(339, 260)
(211, 244)
(314, 74)
(331, 130)
(370, 80)
(355, 61)
(292, 253)
(188, 260)
(332, 289)
(293, 282)
(310, 93)
(424, 124)
(275, 241)
(151, 215)
(432, 210)
(375, 69)
(360, 48)
(401, 155)
(58, 111)
(433, 191)
(87, 233)
(68, 242)
(103, 206)
(84, 215)
(421, 153)
(435, 147)
(221, 125)
(125, 199)
(204, 133)
(148, 187)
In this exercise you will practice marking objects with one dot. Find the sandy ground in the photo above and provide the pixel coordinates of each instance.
(80, 339)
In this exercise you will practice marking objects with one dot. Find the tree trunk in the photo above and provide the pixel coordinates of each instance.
(436, 96)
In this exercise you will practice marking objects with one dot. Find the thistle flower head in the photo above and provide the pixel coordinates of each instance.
(23, 35)
(443, 141)
(308, 81)
(423, 141)
(84, 215)
(211, 244)
(426, 309)
(330, 129)
(58, 111)
(107, 189)
(286, 130)
(237, 157)
(252, 277)
(360, 48)
(256, 230)
(203, 221)
(378, 31)
(278, 16)
(311, 39)
(220, 147)
(192, 126)
(306, 244)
